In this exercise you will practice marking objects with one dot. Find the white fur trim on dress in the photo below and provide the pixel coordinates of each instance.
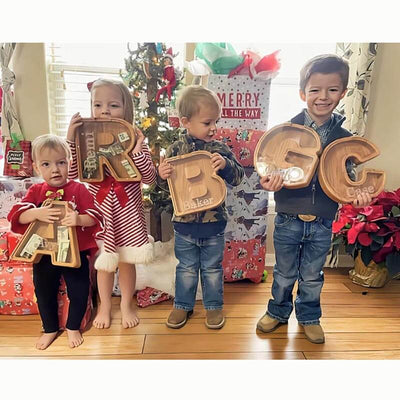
(106, 261)
(134, 255)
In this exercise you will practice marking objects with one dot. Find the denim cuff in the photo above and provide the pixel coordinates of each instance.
(282, 320)
(314, 322)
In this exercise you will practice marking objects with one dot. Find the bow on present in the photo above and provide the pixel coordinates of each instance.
(57, 195)
(119, 188)
(255, 66)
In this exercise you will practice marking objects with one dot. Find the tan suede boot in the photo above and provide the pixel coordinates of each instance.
(215, 319)
(267, 324)
(314, 333)
(178, 318)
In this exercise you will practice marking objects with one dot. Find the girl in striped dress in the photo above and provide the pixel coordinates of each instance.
(125, 241)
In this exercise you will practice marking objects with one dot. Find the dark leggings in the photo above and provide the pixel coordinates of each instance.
(46, 278)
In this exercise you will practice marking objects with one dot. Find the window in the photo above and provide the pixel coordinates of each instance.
(72, 66)
(285, 102)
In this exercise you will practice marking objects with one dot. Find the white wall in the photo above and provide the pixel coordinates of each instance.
(30, 88)
(383, 125)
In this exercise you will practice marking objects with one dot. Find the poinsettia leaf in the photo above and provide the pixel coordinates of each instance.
(351, 249)
(337, 240)
(395, 211)
(364, 239)
(366, 255)
(377, 238)
(393, 263)
(375, 246)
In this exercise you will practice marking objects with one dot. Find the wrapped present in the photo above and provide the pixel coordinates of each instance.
(3, 246)
(149, 296)
(16, 289)
(12, 190)
(244, 260)
(173, 117)
(63, 306)
(12, 241)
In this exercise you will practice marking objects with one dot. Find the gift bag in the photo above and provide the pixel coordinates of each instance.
(17, 159)
(245, 101)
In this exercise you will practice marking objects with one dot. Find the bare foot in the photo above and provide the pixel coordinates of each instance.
(103, 317)
(46, 340)
(75, 338)
(129, 317)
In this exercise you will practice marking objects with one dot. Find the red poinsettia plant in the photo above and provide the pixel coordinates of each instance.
(373, 230)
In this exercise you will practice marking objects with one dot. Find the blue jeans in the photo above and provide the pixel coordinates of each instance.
(194, 255)
(300, 249)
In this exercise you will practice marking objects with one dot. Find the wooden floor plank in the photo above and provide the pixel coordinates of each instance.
(359, 323)
(92, 345)
(197, 326)
(260, 342)
(353, 355)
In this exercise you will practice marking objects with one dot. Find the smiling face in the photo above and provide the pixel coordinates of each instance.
(107, 102)
(202, 125)
(322, 94)
(52, 165)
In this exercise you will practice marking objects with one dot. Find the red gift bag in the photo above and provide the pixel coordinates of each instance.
(17, 159)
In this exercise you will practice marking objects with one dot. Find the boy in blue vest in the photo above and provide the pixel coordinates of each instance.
(303, 224)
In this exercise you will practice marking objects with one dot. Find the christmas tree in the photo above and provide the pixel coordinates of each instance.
(152, 77)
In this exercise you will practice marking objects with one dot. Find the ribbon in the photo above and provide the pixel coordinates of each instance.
(257, 67)
(119, 188)
(57, 195)
(220, 57)
(14, 140)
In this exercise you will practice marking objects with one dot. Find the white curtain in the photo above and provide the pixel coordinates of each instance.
(9, 119)
(355, 105)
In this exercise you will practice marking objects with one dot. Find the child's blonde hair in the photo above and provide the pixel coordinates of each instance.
(192, 97)
(126, 96)
(50, 141)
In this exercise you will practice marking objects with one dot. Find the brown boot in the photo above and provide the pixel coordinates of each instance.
(215, 319)
(314, 333)
(268, 324)
(178, 318)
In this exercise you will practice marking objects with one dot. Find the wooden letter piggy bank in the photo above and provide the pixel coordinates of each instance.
(289, 150)
(194, 185)
(54, 239)
(105, 142)
(332, 172)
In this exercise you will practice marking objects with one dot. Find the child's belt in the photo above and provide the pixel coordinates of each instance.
(307, 217)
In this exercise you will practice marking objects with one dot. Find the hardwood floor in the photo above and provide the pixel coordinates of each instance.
(359, 323)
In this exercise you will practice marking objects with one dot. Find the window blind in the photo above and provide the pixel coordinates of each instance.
(67, 86)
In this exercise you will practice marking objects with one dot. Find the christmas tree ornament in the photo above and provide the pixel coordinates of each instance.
(169, 76)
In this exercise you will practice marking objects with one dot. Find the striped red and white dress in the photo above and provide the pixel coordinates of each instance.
(125, 238)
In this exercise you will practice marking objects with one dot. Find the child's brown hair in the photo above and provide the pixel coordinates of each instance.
(325, 64)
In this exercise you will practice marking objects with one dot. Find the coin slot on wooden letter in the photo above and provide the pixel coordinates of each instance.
(289, 150)
(107, 142)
